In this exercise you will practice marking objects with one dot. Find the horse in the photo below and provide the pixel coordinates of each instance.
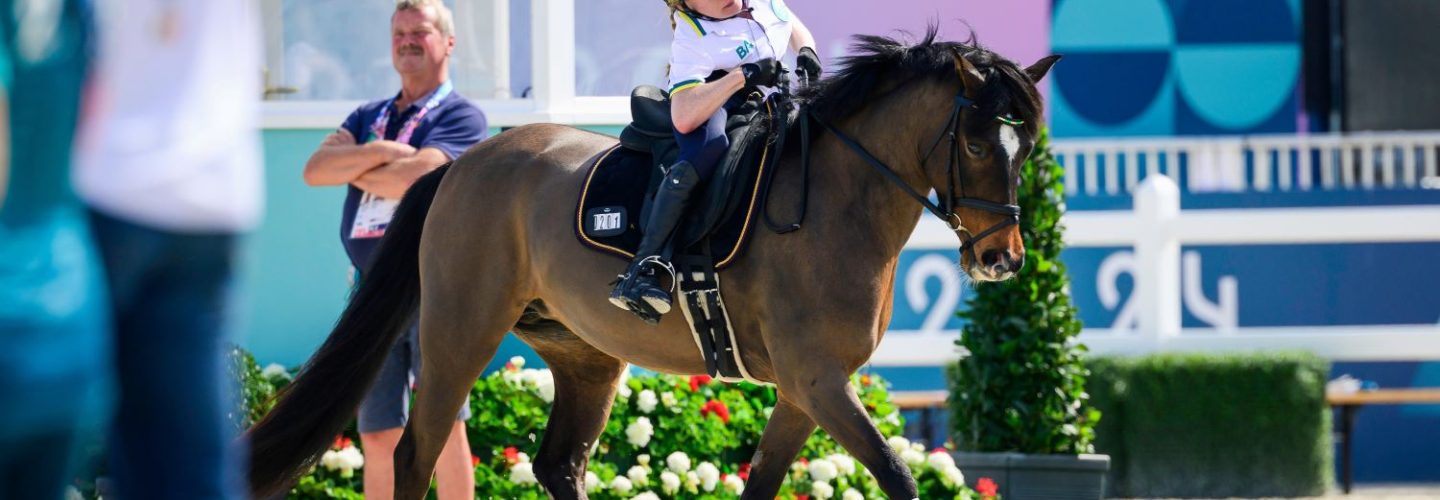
(485, 246)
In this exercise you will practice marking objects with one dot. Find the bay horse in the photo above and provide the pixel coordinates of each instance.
(487, 245)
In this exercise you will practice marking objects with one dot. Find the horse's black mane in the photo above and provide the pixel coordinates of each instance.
(873, 59)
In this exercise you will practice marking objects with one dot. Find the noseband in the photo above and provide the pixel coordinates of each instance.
(945, 211)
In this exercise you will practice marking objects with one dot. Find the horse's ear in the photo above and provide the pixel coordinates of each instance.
(1041, 67)
(970, 76)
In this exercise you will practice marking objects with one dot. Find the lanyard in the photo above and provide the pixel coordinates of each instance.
(377, 129)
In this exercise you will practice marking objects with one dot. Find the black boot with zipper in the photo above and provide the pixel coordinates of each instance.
(638, 289)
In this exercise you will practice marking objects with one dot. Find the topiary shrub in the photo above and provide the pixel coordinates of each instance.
(1021, 387)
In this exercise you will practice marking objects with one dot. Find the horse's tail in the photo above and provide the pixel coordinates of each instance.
(316, 407)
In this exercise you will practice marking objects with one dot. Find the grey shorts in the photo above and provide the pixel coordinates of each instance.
(387, 406)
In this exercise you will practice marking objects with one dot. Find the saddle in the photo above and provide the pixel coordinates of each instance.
(621, 181)
(614, 202)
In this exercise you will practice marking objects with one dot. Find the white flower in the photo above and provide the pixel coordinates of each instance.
(843, 462)
(621, 485)
(823, 470)
(646, 401)
(511, 377)
(954, 476)
(667, 398)
(518, 362)
(940, 460)
(330, 460)
(768, 410)
(678, 462)
(522, 458)
(734, 485)
(851, 494)
(822, 490)
(592, 482)
(275, 370)
(917, 446)
(546, 386)
(898, 443)
(543, 381)
(912, 458)
(646, 496)
(709, 475)
(638, 475)
(692, 481)
(639, 432)
(523, 473)
(351, 459)
(643, 459)
(669, 482)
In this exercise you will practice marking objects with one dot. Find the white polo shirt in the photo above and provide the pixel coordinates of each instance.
(700, 47)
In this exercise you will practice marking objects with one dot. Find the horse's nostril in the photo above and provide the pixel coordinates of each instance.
(990, 258)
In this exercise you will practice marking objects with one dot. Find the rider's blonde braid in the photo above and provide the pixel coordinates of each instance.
(674, 5)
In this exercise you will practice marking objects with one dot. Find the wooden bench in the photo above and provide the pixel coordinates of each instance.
(925, 402)
(1349, 403)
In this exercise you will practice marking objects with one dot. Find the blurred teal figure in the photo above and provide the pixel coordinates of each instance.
(53, 320)
(169, 165)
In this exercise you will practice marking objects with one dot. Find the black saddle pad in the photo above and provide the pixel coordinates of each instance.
(607, 216)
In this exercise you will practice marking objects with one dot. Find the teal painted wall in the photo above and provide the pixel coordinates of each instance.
(295, 278)
(296, 274)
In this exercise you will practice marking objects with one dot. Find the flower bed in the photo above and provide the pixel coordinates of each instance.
(667, 437)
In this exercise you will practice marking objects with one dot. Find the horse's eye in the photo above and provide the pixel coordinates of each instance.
(975, 148)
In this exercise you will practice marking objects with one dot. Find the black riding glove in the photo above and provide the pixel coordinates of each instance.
(764, 72)
(809, 63)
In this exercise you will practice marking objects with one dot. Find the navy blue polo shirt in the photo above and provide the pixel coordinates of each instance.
(451, 127)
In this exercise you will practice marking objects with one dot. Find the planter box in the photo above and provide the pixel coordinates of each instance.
(1032, 477)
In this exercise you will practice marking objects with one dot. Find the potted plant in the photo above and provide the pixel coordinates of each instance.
(1019, 410)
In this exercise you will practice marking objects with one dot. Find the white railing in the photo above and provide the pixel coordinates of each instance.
(1291, 162)
(1150, 319)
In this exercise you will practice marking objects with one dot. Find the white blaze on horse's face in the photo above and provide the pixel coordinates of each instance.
(1010, 141)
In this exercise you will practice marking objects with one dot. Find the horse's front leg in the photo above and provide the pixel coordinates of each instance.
(816, 378)
(786, 432)
(830, 400)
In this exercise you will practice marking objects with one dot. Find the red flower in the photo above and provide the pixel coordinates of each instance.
(802, 497)
(474, 461)
(716, 407)
(341, 442)
(865, 380)
(699, 380)
(986, 487)
(744, 472)
(803, 461)
(510, 367)
(512, 455)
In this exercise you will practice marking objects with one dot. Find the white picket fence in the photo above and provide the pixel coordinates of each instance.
(1255, 163)
(1150, 319)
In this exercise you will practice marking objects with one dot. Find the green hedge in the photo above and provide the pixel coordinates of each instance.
(1214, 425)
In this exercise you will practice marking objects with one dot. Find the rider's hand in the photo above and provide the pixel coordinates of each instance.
(764, 72)
(808, 62)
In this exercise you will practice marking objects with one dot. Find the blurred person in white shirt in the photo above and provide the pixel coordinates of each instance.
(169, 164)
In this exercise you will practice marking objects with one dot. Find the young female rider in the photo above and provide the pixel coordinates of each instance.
(739, 41)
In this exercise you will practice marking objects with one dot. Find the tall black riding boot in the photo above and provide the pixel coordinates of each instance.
(638, 290)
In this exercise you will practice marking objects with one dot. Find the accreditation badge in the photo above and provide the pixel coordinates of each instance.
(373, 216)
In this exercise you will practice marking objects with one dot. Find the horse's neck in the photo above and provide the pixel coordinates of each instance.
(878, 214)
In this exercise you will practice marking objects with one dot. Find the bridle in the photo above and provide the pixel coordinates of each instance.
(946, 210)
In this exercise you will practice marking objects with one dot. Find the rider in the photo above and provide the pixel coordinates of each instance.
(740, 41)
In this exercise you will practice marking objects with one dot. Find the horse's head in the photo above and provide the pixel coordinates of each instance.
(958, 119)
(995, 125)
